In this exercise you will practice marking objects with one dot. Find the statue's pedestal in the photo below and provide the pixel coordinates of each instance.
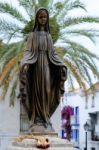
(30, 144)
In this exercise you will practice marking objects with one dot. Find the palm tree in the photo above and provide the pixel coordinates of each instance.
(77, 58)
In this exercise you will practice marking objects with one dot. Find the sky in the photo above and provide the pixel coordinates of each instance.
(92, 6)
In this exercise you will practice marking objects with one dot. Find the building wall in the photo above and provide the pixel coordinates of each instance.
(97, 124)
(56, 120)
(9, 116)
(75, 100)
(92, 107)
(9, 122)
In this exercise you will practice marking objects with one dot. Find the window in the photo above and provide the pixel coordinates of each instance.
(75, 134)
(92, 148)
(76, 115)
(75, 125)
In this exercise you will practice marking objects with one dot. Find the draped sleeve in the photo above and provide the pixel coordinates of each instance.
(30, 53)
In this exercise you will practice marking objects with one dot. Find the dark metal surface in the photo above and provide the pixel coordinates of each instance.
(42, 74)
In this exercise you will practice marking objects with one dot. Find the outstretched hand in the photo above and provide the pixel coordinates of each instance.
(25, 69)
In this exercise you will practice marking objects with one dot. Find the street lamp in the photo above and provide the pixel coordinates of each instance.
(86, 128)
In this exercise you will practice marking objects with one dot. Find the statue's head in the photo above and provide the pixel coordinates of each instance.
(41, 19)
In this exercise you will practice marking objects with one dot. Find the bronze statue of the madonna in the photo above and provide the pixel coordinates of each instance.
(42, 73)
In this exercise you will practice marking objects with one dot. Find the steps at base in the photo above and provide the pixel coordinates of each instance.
(30, 144)
(50, 148)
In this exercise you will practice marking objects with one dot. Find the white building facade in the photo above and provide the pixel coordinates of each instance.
(85, 111)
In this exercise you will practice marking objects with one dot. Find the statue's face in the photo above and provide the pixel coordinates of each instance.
(42, 18)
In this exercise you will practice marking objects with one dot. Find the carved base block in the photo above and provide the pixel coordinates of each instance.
(30, 144)
(41, 129)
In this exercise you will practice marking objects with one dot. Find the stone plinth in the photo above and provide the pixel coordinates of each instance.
(30, 144)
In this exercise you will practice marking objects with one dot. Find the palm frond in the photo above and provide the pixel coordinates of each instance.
(29, 6)
(6, 57)
(11, 51)
(71, 81)
(78, 20)
(83, 61)
(5, 87)
(93, 62)
(13, 91)
(7, 70)
(3, 50)
(44, 3)
(61, 51)
(79, 48)
(75, 4)
(83, 70)
(59, 7)
(87, 33)
(86, 58)
(91, 66)
(70, 6)
(8, 9)
(51, 7)
(9, 29)
(75, 59)
(75, 73)
(89, 80)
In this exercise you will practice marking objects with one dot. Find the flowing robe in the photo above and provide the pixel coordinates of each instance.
(43, 84)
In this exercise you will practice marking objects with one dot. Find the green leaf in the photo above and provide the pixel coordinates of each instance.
(13, 92)
(9, 29)
(8, 9)
(87, 33)
(79, 20)
(29, 6)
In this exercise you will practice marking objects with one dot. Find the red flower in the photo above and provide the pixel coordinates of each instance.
(66, 113)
